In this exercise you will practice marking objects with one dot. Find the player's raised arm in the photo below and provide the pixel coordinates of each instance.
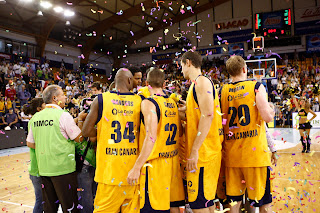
(148, 110)
(204, 92)
(266, 112)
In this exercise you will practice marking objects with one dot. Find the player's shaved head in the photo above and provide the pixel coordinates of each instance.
(123, 79)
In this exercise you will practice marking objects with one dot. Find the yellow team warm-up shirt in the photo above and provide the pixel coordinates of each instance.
(118, 137)
(245, 143)
(167, 142)
(212, 144)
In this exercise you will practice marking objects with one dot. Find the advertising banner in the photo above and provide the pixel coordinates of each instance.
(313, 43)
(236, 49)
(5, 56)
(307, 20)
(232, 25)
(315, 123)
(34, 60)
(273, 20)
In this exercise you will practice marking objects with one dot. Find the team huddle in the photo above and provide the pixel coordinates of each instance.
(155, 153)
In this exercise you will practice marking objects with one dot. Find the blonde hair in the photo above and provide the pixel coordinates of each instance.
(235, 65)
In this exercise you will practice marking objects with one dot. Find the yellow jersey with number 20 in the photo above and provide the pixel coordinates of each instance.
(245, 141)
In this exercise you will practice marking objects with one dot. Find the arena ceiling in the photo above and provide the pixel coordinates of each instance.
(98, 24)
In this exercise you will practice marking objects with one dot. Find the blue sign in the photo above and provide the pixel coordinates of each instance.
(313, 43)
(234, 36)
(236, 49)
(307, 27)
(273, 20)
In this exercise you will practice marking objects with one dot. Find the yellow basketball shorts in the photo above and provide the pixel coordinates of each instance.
(256, 180)
(113, 198)
(202, 184)
(221, 188)
(161, 185)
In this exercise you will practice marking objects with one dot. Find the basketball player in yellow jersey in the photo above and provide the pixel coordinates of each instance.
(117, 116)
(244, 105)
(203, 136)
(161, 187)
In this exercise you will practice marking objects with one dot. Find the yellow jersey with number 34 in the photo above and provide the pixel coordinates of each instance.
(117, 135)
(167, 141)
(245, 143)
(211, 146)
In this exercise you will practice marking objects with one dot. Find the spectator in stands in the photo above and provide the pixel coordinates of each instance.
(11, 94)
(62, 84)
(96, 88)
(8, 77)
(70, 77)
(17, 69)
(11, 119)
(39, 73)
(24, 95)
(2, 105)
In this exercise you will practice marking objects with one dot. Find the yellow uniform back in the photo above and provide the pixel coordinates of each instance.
(117, 147)
(212, 144)
(167, 142)
(245, 135)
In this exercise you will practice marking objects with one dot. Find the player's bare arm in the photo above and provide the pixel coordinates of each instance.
(148, 110)
(266, 112)
(88, 129)
(204, 92)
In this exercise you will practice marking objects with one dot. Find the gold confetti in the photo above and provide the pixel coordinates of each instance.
(241, 119)
(147, 164)
(311, 153)
(219, 113)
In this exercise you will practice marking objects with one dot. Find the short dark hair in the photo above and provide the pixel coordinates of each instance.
(194, 57)
(155, 77)
(134, 69)
(96, 85)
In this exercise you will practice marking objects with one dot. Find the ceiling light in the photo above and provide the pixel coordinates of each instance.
(58, 9)
(28, 1)
(67, 22)
(3, 1)
(40, 13)
(68, 13)
(45, 4)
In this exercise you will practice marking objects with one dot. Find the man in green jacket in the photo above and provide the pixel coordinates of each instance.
(49, 132)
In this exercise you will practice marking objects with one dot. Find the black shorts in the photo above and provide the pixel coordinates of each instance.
(305, 126)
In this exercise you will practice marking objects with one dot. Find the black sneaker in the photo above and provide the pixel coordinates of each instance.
(308, 151)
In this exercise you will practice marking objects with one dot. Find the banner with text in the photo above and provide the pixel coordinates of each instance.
(307, 20)
(313, 43)
(232, 25)
(315, 123)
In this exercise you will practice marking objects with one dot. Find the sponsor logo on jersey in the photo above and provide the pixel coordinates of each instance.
(121, 112)
(43, 123)
(169, 113)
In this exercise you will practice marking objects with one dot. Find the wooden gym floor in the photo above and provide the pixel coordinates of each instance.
(296, 187)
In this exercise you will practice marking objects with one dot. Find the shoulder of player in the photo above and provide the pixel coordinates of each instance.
(203, 83)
